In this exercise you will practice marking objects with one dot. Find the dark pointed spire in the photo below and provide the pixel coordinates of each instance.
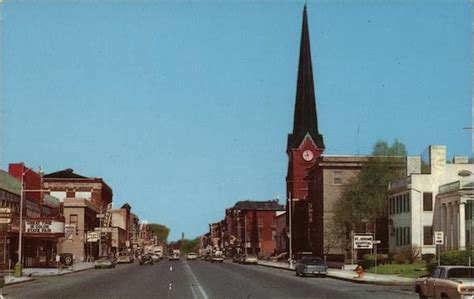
(305, 119)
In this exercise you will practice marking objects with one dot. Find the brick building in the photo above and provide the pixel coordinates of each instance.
(252, 226)
(43, 224)
(82, 199)
(304, 146)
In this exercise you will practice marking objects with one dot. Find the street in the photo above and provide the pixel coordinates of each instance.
(197, 279)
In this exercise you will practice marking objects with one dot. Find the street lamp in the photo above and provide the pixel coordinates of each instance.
(290, 237)
(19, 263)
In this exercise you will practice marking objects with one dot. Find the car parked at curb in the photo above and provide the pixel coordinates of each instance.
(105, 262)
(250, 259)
(310, 265)
(447, 282)
(125, 258)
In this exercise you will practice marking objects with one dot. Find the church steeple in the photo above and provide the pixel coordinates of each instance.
(305, 118)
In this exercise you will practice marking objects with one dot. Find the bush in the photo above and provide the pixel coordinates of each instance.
(368, 260)
(455, 258)
(412, 254)
(428, 257)
(399, 259)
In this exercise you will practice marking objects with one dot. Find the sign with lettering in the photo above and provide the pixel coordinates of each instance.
(439, 237)
(363, 241)
(44, 226)
(92, 236)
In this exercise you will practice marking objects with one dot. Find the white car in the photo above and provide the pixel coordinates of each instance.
(447, 282)
(192, 256)
(218, 256)
(251, 259)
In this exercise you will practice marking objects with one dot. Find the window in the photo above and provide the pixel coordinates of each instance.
(408, 201)
(274, 235)
(73, 219)
(408, 236)
(260, 234)
(428, 201)
(273, 221)
(337, 177)
(260, 221)
(427, 235)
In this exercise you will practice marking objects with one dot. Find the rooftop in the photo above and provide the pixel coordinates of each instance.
(269, 205)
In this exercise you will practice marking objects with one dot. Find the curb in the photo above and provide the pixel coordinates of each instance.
(18, 282)
(62, 273)
(353, 280)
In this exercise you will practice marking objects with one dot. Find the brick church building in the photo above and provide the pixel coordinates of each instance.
(305, 146)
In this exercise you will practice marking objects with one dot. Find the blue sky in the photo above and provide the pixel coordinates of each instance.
(184, 107)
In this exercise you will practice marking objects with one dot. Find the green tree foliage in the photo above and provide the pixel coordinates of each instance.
(161, 232)
(364, 197)
(185, 245)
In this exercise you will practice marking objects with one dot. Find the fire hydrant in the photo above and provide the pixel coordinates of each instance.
(360, 271)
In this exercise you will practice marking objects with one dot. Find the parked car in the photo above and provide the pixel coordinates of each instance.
(447, 282)
(105, 262)
(125, 258)
(236, 258)
(311, 265)
(191, 256)
(250, 259)
(145, 259)
(218, 256)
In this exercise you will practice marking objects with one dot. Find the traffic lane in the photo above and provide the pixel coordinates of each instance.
(238, 281)
(127, 281)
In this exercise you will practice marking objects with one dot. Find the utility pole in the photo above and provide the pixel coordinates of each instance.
(290, 236)
(245, 233)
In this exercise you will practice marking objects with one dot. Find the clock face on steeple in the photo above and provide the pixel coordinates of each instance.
(308, 155)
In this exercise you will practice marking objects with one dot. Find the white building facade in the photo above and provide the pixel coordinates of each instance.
(415, 210)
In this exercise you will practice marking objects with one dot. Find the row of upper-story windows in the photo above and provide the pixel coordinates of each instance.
(399, 204)
(5, 195)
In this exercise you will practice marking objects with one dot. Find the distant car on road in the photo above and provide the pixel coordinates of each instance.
(311, 265)
(174, 257)
(191, 256)
(105, 262)
(250, 259)
(447, 282)
(125, 258)
(155, 257)
(218, 256)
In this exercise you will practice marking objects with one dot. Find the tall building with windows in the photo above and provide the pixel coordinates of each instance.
(436, 196)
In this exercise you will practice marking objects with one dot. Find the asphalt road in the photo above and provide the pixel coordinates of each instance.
(197, 279)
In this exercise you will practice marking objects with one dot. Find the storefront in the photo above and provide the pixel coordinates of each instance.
(40, 240)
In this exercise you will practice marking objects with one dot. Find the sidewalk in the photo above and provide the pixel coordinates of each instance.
(350, 275)
(30, 273)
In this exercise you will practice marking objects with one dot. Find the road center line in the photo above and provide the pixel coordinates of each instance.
(196, 282)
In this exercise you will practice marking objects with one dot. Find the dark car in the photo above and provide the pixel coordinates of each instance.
(145, 259)
(311, 265)
(236, 258)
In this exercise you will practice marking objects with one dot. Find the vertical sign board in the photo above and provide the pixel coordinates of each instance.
(439, 237)
(363, 241)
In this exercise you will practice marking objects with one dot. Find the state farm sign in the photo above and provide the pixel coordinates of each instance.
(44, 226)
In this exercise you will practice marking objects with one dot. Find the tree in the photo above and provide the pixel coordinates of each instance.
(363, 200)
(161, 232)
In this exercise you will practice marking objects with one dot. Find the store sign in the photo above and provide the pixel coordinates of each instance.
(363, 241)
(92, 237)
(44, 227)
